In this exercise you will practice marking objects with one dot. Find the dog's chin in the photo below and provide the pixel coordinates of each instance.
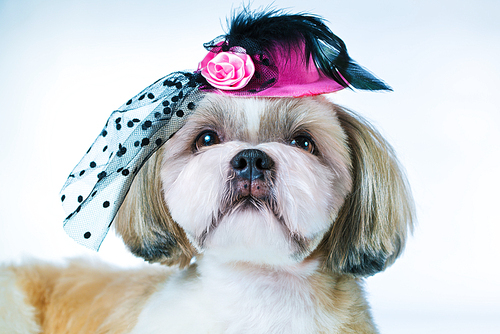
(251, 233)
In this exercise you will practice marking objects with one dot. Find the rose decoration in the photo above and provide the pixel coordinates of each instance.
(227, 70)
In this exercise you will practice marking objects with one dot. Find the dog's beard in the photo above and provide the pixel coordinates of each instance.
(251, 208)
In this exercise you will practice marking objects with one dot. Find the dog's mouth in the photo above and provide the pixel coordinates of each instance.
(243, 196)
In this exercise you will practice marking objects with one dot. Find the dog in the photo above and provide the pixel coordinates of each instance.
(265, 213)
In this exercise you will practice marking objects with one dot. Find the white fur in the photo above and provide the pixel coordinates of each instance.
(16, 315)
(253, 109)
(234, 299)
(253, 236)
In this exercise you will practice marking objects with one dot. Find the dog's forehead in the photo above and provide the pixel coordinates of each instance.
(260, 119)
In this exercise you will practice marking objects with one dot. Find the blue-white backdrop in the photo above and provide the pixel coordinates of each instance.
(65, 65)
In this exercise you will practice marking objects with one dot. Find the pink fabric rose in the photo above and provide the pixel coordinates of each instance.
(227, 70)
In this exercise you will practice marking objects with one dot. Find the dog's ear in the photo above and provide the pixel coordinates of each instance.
(144, 221)
(370, 230)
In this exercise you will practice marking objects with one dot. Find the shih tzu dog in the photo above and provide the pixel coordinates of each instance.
(269, 202)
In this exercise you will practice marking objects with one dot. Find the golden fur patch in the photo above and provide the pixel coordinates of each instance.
(87, 297)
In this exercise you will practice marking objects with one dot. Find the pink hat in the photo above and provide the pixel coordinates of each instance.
(271, 55)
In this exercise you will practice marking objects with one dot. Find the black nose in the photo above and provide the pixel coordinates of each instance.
(251, 164)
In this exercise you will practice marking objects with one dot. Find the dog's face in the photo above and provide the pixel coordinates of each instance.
(257, 180)
(270, 181)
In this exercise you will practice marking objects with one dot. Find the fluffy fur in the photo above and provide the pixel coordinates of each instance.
(280, 247)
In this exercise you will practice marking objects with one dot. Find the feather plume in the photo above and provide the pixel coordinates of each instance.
(265, 30)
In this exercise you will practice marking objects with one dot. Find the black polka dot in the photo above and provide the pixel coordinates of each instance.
(130, 124)
(121, 150)
(157, 115)
(119, 169)
(105, 204)
(101, 175)
(104, 133)
(129, 102)
(118, 126)
(118, 120)
(87, 235)
(136, 120)
(93, 164)
(178, 85)
(181, 94)
(80, 199)
(151, 96)
(165, 103)
(175, 98)
(158, 141)
(146, 125)
(191, 106)
(125, 172)
(105, 148)
(167, 110)
(137, 143)
(82, 172)
(63, 197)
(179, 113)
(142, 97)
(144, 142)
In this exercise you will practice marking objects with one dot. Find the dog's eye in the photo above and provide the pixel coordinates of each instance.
(305, 143)
(206, 138)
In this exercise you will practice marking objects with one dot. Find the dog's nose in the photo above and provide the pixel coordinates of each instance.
(251, 164)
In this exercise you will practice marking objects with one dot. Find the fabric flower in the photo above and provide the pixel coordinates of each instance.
(227, 70)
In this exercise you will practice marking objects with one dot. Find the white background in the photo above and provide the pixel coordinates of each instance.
(66, 65)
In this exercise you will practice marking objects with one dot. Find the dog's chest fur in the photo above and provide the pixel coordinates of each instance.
(210, 298)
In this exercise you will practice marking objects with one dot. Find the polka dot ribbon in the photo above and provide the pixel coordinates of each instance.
(97, 186)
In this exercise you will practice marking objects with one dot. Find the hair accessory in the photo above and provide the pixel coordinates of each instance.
(264, 54)
(227, 70)
(97, 186)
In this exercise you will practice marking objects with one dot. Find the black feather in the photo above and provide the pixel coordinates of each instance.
(263, 30)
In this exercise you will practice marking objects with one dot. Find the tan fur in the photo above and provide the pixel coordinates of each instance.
(343, 296)
(86, 297)
(17, 315)
(144, 221)
(371, 228)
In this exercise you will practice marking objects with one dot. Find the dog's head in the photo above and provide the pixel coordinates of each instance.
(270, 181)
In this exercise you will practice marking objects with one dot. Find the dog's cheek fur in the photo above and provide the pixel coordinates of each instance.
(303, 189)
(194, 185)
